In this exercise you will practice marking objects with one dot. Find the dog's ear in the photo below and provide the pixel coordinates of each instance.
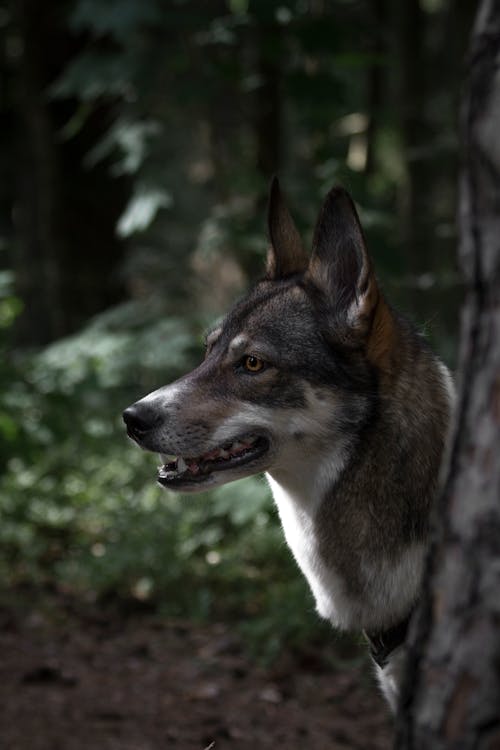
(340, 266)
(286, 254)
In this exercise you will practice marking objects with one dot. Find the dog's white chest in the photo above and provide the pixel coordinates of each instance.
(297, 514)
(390, 585)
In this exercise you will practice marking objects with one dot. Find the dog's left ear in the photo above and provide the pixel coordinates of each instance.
(340, 266)
(286, 254)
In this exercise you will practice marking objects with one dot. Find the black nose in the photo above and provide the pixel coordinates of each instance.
(140, 419)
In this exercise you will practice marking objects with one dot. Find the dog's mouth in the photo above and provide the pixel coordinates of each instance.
(181, 471)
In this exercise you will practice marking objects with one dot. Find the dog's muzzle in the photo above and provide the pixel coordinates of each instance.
(201, 462)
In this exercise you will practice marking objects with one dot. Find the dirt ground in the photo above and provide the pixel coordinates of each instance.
(138, 683)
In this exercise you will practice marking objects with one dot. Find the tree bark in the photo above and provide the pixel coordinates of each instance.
(451, 698)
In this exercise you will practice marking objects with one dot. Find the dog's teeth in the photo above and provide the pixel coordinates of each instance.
(177, 465)
(167, 458)
(164, 472)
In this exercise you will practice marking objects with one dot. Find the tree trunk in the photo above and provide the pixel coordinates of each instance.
(452, 694)
(66, 254)
(376, 79)
(38, 184)
(268, 120)
(416, 134)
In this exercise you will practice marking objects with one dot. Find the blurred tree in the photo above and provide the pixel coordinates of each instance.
(155, 118)
(63, 246)
(452, 695)
(428, 114)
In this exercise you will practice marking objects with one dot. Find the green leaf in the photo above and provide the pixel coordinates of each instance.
(142, 209)
(8, 428)
(238, 6)
(120, 19)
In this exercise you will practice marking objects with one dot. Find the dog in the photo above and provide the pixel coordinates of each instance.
(314, 379)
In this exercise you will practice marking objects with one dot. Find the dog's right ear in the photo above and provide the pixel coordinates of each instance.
(286, 254)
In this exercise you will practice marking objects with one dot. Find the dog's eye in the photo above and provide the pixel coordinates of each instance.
(252, 364)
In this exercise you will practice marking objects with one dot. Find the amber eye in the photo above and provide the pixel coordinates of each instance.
(252, 364)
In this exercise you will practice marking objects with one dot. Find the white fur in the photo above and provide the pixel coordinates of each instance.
(450, 389)
(299, 479)
(163, 397)
(297, 506)
(391, 587)
(394, 586)
(238, 345)
(353, 311)
(390, 676)
(448, 383)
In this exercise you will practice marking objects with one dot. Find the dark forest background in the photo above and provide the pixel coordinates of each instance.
(138, 139)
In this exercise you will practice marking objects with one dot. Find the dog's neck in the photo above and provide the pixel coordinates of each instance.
(344, 512)
(304, 476)
(387, 590)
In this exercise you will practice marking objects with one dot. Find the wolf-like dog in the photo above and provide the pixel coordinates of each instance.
(314, 379)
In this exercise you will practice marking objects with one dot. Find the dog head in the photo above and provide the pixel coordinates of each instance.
(290, 370)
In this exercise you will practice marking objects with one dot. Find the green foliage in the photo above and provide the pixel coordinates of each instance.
(10, 305)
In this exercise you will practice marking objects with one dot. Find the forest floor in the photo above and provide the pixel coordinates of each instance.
(93, 681)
